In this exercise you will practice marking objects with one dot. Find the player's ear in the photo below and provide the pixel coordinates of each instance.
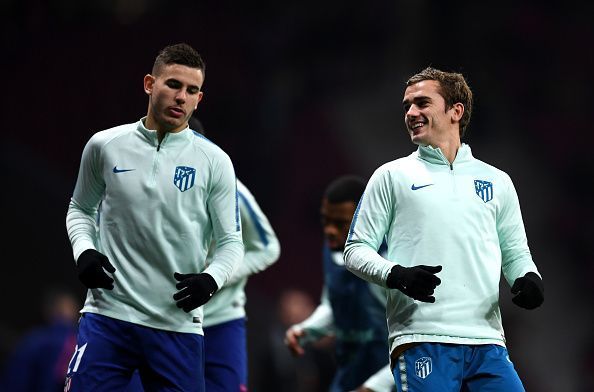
(149, 81)
(457, 111)
(200, 96)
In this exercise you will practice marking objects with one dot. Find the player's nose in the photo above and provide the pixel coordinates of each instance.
(181, 96)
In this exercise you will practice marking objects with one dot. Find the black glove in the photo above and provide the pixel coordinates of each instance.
(417, 282)
(194, 290)
(90, 266)
(529, 290)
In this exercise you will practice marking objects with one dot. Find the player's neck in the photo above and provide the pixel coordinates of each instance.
(449, 148)
(152, 124)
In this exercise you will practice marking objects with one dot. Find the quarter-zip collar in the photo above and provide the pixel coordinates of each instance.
(436, 156)
(170, 139)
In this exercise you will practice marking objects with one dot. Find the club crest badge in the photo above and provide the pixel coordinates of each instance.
(484, 190)
(423, 367)
(184, 177)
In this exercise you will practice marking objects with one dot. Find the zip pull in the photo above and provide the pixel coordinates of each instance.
(451, 166)
(161, 142)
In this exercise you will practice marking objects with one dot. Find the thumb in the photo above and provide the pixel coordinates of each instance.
(179, 277)
(518, 285)
(517, 300)
(430, 268)
(107, 265)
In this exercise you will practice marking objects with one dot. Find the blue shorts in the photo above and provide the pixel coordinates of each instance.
(108, 351)
(226, 357)
(452, 367)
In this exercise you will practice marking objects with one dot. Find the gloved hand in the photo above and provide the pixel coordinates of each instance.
(529, 290)
(417, 282)
(91, 266)
(194, 290)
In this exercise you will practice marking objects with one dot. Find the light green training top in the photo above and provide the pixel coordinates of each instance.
(160, 207)
(465, 217)
(262, 249)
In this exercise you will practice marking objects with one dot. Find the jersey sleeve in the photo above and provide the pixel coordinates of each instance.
(368, 229)
(223, 209)
(88, 192)
(320, 323)
(515, 254)
(261, 245)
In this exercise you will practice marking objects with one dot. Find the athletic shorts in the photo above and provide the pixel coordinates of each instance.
(108, 351)
(438, 367)
(226, 357)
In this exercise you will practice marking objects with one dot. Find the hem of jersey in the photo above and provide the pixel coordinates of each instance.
(214, 320)
(223, 322)
(418, 338)
(181, 329)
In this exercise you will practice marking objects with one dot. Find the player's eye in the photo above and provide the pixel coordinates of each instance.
(173, 84)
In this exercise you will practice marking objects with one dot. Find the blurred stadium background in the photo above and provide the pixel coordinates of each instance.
(299, 93)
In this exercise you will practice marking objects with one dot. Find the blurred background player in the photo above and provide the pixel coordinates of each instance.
(39, 361)
(351, 309)
(224, 315)
(278, 369)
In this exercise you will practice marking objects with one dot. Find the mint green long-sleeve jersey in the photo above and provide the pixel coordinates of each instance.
(262, 249)
(464, 216)
(160, 206)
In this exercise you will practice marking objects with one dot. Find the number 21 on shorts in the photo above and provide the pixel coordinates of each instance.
(78, 354)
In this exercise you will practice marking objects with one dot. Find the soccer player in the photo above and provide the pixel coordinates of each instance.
(452, 224)
(165, 192)
(224, 315)
(351, 309)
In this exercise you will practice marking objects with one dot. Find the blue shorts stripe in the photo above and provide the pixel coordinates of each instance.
(401, 374)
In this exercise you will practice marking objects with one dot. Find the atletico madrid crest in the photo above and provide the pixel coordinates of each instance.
(184, 177)
(423, 367)
(484, 190)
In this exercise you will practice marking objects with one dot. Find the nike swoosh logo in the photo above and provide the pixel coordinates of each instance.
(116, 170)
(414, 188)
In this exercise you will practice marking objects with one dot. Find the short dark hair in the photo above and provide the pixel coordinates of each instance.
(452, 87)
(345, 188)
(182, 54)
